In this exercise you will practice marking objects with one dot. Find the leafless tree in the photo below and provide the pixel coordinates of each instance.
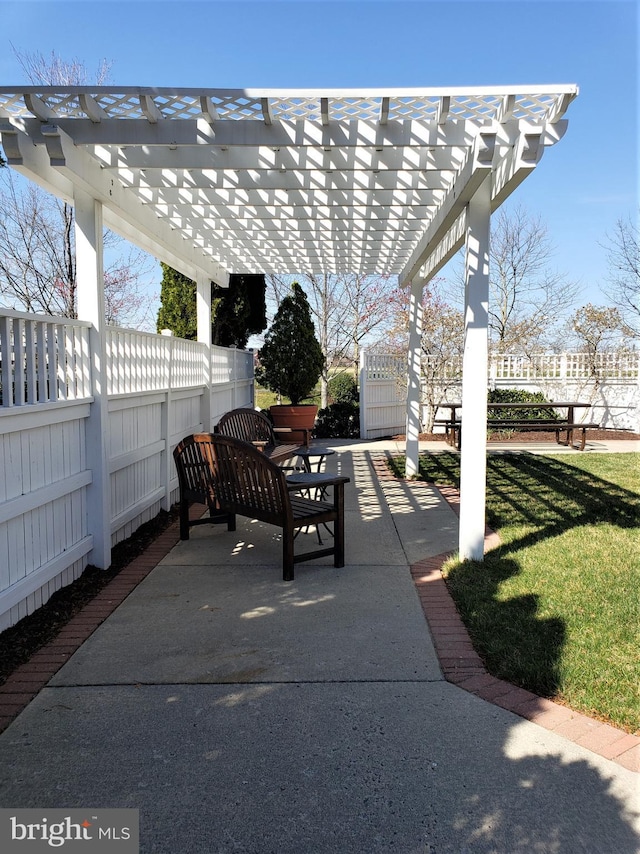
(37, 259)
(442, 343)
(527, 297)
(623, 287)
(53, 70)
(37, 236)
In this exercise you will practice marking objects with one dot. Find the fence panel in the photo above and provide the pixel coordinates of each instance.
(232, 380)
(156, 388)
(383, 394)
(44, 530)
(609, 382)
(42, 359)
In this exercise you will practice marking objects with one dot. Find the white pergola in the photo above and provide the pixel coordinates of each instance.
(215, 182)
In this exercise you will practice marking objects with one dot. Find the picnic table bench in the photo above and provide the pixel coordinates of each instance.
(235, 478)
(558, 424)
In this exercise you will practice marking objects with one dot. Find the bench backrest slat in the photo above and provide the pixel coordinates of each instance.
(248, 425)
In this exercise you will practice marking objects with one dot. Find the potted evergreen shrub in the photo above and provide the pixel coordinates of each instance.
(291, 361)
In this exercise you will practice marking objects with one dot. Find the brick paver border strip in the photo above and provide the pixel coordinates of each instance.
(463, 667)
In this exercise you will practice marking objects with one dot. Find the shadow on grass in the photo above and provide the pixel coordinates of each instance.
(515, 643)
(546, 497)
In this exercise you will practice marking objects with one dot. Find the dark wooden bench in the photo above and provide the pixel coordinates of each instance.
(453, 431)
(195, 465)
(235, 478)
(253, 426)
(549, 425)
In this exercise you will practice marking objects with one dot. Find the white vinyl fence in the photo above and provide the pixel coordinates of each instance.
(159, 389)
(610, 383)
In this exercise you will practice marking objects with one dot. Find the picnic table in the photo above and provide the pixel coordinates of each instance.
(561, 423)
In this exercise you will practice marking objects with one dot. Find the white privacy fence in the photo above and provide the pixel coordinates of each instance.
(609, 382)
(159, 389)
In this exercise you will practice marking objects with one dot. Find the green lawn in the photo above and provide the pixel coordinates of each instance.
(556, 609)
(266, 398)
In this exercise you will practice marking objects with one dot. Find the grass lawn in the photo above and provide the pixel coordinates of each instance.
(266, 398)
(556, 608)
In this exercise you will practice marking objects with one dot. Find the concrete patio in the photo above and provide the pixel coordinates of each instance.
(239, 713)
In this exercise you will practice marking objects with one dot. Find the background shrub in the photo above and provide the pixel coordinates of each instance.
(343, 389)
(338, 421)
(520, 395)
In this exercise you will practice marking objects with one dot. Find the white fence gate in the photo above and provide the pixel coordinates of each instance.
(610, 383)
(159, 389)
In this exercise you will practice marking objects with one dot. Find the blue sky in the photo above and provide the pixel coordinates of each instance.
(580, 188)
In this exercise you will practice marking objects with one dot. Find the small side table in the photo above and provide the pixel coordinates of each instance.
(314, 456)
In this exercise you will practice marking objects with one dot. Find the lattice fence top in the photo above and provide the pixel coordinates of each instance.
(216, 181)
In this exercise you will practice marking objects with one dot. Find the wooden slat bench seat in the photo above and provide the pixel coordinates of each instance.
(454, 430)
(546, 425)
(239, 479)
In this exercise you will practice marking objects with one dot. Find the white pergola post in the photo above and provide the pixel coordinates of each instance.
(203, 316)
(90, 277)
(473, 454)
(413, 383)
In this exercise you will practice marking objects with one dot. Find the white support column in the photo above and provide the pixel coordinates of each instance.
(90, 275)
(473, 455)
(203, 315)
(413, 382)
(166, 421)
(362, 393)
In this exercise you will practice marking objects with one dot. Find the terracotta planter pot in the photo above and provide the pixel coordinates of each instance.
(299, 419)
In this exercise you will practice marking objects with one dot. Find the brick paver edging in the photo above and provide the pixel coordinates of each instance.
(462, 666)
(28, 679)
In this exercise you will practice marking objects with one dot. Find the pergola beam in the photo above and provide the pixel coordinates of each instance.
(470, 177)
(301, 158)
(60, 167)
(273, 179)
(215, 199)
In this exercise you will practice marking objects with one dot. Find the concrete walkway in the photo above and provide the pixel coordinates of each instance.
(242, 714)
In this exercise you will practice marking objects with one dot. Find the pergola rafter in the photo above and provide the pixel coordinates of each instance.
(215, 182)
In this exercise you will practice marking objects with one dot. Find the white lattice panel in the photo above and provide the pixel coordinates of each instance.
(238, 105)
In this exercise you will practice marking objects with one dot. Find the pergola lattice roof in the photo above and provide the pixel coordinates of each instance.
(222, 181)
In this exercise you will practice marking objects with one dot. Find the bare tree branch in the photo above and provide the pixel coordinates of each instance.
(526, 296)
(54, 71)
(37, 235)
(623, 256)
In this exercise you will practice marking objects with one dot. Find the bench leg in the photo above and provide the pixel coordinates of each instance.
(287, 554)
(338, 525)
(231, 522)
(184, 519)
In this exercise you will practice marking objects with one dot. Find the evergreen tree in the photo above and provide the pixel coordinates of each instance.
(239, 311)
(236, 312)
(291, 359)
(177, 304)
